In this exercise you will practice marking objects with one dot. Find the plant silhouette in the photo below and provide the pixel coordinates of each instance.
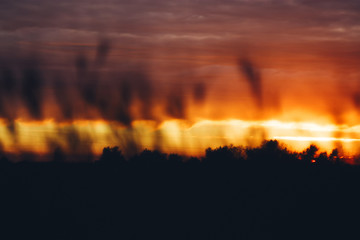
(267, 192)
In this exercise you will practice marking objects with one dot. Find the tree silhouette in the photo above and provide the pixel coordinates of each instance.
(230, 193)
(112, 156)
(309, 154)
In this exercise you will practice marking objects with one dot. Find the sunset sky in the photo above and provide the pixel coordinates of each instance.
(179, 76)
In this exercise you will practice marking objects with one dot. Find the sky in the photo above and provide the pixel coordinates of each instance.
(156, 72)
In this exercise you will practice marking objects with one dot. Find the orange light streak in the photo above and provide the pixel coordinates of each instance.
(175, 135)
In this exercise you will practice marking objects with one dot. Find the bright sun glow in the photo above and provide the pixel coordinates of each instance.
(174, 135)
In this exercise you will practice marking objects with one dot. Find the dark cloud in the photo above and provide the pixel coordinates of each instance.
(176, 104)
(114, 79)
(252, 75)
(199, 92)
(81, 64)
(123, 113)
(8, 86)
(272, 27)
(103, 49)
(64, 98)
(8, 83)
(32, 91)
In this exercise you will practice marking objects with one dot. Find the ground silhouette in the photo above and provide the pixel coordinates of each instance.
(232, 192)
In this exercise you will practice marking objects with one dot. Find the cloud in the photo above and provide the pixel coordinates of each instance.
(177, 17)
(252, 75)
(140, 39)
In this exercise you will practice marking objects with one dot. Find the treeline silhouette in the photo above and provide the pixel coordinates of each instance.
(232, 192)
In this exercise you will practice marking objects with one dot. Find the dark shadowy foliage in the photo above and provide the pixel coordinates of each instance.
(59, 155)
(112, 156)
(309, 154)
(266, 192)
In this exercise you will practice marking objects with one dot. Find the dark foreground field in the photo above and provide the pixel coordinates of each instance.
(232, 193)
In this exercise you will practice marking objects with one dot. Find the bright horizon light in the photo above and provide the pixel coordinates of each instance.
(174, 135)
